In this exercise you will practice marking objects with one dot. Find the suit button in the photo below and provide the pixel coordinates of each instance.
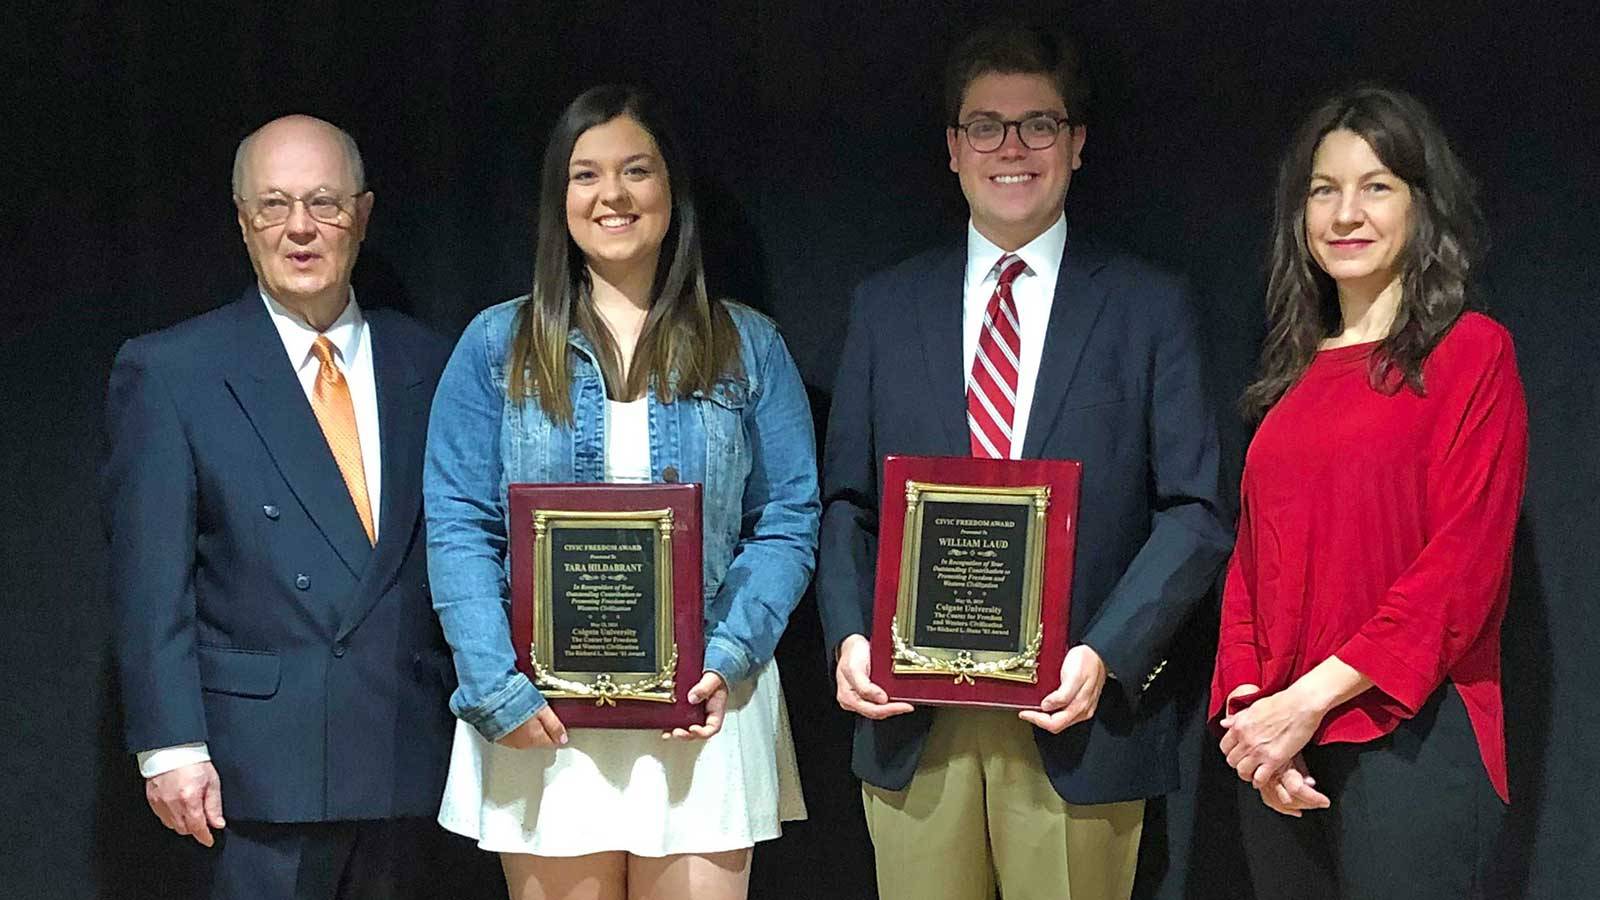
(271, 511)
(670, 474)
(302, 581)
(339, 648)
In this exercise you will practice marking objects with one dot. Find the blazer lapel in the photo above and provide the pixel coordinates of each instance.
(265, 386)
(939, 319)
(1073, 312)
(402, 425)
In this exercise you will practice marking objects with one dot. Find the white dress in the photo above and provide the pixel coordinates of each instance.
(614, 789)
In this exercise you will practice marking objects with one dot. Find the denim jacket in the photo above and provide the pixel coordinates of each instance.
(749, 441)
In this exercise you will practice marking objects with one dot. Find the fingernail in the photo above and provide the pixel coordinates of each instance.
(563, 738)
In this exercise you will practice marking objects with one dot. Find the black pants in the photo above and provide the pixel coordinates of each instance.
(362, 860)
(1413, 816)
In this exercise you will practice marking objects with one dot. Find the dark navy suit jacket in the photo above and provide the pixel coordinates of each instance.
(251, 611)
(1119, 388)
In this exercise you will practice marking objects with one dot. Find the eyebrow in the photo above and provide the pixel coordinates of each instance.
(634, 158)
(321, 188)
(1363, 177)
(992, 114)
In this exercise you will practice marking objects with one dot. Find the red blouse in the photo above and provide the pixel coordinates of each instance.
(1378, 527)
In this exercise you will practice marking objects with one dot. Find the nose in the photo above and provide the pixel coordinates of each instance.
(614, 193)
(300, 226)
(1350, 212)
(1011, 145)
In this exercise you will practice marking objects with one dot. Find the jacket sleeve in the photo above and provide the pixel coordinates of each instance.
(1188, 541)
(464, 496)
(776, 554)
(1438, 607)
(848, 544)
(148, 491)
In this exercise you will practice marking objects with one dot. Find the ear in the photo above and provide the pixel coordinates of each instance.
(363, 214)
(952, 141)
(244, 221)
(1080, 136)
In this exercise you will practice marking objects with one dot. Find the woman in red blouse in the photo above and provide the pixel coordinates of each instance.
(1358, 669)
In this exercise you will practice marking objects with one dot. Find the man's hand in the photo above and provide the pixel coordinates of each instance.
(543, 729)
(713, 691)
(856, 693)
(1083, 677)
(188, 800)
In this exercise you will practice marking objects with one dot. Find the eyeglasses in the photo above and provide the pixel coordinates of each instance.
(985, 135)
(273, 209)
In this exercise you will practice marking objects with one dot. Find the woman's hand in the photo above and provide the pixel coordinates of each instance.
(1294, 791)
(710, 689)
(543, 729)
(1264, 738)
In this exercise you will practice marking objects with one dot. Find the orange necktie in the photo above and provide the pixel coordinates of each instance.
(336, 413)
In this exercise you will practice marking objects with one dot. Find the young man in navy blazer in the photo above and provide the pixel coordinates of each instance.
(283, 675)
(1025, 339)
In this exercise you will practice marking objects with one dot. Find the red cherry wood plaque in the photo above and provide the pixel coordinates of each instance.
(975, 561)
(606, 605)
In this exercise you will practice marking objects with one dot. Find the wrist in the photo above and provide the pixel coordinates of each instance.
(1314, 694)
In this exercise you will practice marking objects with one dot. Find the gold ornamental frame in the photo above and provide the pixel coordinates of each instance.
(605, 688)
(966, 665)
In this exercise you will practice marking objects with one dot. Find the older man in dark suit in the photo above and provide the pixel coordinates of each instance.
(283, 675)
(1025, 339)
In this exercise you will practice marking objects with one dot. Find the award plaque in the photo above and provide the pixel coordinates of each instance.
(975, 560)
(606, 605)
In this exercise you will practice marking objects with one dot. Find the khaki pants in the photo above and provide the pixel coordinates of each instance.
(980, 810)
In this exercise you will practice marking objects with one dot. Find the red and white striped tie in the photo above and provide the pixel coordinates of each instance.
(992, 387)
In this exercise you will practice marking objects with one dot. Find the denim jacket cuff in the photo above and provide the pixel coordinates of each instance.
(727, 659)
(502, 711)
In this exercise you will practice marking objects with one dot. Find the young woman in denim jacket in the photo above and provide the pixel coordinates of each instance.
(618, 367)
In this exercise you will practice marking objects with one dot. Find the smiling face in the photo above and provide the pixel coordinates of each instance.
(301, 260)
(1014, 193)
(1358, 213)
(619, 201)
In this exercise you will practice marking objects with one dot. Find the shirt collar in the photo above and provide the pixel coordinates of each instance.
(1042, 254)
(297, 336)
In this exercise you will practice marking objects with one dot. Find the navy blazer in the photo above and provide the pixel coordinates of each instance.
(251, 611)
(1120, 389)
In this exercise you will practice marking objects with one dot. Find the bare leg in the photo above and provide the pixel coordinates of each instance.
(597, 876)
(690, 876)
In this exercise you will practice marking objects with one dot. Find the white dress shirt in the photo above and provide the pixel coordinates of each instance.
(352, 351)
(1034, 293)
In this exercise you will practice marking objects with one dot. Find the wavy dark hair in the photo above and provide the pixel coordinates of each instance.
(1011, 47)
(687, 343)
(1443, 244)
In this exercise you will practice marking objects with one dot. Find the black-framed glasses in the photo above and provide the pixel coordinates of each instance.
(985, 135)
(274, 208)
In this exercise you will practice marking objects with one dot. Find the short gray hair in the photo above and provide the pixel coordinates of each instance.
(352, 155)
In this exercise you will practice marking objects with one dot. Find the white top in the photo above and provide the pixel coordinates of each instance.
(352, 351)
(628, 441)
(1034, 292)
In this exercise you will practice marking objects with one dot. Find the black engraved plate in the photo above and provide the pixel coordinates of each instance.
(971, 564)
(603, 599)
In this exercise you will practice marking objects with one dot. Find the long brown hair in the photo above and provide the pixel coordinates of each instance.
(687, 342)
(1442, 246)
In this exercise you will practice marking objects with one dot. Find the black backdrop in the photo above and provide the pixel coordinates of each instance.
(820, 158)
